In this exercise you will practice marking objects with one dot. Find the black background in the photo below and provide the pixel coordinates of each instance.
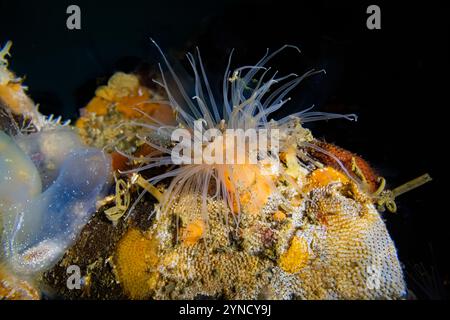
(395, 79)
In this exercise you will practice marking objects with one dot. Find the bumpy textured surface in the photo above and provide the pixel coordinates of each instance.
(332, 244)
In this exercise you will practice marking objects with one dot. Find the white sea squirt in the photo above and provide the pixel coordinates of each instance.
(49, 185)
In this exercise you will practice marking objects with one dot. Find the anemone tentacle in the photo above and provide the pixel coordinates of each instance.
(246, 104)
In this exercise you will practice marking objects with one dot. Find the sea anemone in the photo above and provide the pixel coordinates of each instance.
(250, 94)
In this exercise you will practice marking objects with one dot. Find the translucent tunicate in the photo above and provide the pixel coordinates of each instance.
(49, 186)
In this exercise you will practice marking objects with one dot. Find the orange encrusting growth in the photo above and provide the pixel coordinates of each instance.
(246, 182)
(279, 216)
(346, 157)
(13, 95)
(193, 232)
(323, 177)
(98, 105)
(129, 97)
(136, 260)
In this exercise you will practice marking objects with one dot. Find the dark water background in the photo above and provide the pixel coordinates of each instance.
(395, 79)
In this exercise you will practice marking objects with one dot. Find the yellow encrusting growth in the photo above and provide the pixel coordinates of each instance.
(296, 257)
(136, 260)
